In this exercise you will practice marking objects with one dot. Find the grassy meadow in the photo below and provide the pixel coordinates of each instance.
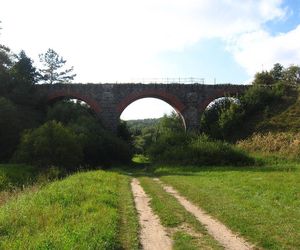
(91, 210)
(260, 203)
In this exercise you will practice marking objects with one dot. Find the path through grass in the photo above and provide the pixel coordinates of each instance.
(262, 204)
(185, 230)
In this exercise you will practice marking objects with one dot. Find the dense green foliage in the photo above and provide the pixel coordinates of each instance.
(99, 145)
(50, 145)
(9, 129)
(18, 109)
(228, 120)
(146, 132)
(21, 110)
(82, 211)
(260, 203)
(190, 149)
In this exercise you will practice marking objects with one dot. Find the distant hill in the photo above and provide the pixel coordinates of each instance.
(135, 125)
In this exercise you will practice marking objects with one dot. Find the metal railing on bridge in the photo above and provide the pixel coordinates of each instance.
(186, 80)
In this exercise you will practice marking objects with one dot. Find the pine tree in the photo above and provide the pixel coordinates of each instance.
(53, 71)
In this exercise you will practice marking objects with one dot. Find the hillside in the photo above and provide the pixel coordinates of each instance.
(283, 116)
(139, 124)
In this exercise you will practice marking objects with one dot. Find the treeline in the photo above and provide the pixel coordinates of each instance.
(66, 134)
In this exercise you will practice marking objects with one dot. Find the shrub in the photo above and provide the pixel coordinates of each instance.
(190, 149)
(263, 78)
(258, 97)
(99, 145)
(52, 144)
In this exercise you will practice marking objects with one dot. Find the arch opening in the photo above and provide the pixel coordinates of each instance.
(222, 101)
(148, 119)
(92, 104)
(69, 109)
(221, 118)
(150, 108)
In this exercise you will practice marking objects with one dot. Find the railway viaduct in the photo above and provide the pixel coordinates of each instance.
(109, 100)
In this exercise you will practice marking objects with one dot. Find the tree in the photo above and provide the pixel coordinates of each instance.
(292, 74)
(5, 64)
(22, 77)
(53, 71)
(23, 70)
(263, 78)
(277, 72)
(52, 144)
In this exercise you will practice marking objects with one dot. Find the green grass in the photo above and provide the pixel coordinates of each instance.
(128, 222)
(140, 159)
(174, 217)
(261, 203)
(184, 241)
(84, 211)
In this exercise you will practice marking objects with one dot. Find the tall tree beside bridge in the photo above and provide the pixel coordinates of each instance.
(53, 71)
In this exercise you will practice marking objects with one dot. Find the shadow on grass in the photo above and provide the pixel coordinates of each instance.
(148, 169)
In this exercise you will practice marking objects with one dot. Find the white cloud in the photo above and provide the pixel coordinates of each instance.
(259, 50)
(119, 39)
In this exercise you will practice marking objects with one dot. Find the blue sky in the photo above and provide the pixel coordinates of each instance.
(290, 22)
(123, 41)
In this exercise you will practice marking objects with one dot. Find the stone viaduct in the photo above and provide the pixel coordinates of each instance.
(109, 100)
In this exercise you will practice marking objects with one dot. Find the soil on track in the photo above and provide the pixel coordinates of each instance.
(215, 228)
(153, 235)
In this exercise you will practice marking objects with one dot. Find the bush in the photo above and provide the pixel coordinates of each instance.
(50, 145)
(99, 146)
(263, 78)
(258, 97)
(189, 149)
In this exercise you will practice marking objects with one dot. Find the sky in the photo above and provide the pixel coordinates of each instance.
(222, 41)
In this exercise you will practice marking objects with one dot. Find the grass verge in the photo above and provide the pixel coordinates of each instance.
(186, 231)
(79, 212)
(261, 203)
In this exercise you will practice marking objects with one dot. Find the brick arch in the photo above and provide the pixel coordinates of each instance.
(74, 95)
(162, 95)
(217, 95)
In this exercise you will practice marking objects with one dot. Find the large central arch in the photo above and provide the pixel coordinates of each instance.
(172, 100)
(162, 95)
